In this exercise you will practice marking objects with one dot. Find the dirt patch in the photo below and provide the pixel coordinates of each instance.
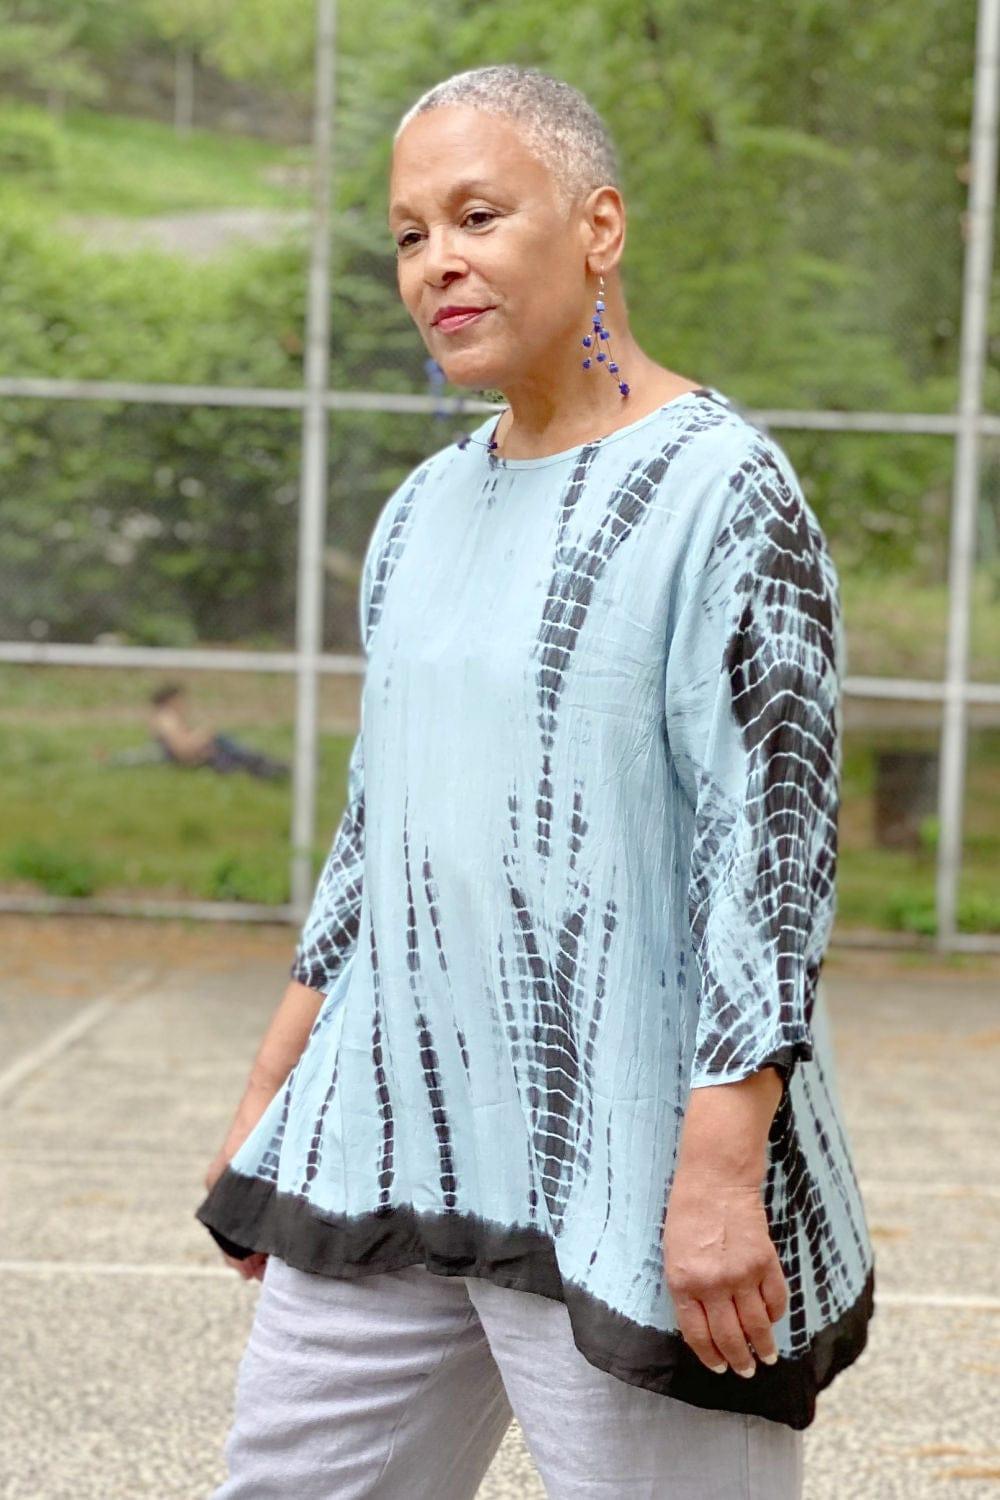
(88, 943)
(202, 234)
(76, 955)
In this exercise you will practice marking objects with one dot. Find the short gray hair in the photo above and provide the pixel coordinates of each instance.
(557, 122)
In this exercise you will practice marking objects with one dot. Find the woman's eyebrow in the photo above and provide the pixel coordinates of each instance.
(457, 190)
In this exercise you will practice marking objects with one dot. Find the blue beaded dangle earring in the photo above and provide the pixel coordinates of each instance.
(591, 340)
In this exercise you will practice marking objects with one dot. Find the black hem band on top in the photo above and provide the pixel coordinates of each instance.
(245, 1215)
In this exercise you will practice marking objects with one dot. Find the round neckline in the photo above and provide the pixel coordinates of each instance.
(601, 442)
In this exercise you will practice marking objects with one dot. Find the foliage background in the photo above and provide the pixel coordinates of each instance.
(796, 178)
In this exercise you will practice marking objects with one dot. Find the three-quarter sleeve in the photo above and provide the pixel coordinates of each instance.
(329, 935)
(752, 703)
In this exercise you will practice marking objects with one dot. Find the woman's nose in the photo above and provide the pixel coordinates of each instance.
(441, 253)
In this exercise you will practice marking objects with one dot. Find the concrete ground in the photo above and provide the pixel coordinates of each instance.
(123, 1051)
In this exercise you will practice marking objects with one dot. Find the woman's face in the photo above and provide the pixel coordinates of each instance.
(477, 224)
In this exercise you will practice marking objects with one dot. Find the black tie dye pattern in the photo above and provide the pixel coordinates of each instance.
(586, 864)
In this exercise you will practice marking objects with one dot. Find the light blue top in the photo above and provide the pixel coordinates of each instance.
(586, 863)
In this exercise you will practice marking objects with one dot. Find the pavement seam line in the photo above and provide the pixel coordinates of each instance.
(61, 1041)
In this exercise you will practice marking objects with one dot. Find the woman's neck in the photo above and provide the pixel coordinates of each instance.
(537, 436)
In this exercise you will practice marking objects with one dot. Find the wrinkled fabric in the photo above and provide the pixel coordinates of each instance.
(403, 1384)
(587, 863)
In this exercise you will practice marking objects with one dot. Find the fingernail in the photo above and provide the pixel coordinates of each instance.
(769, 1359)
(746, 1373)
(718, 1369)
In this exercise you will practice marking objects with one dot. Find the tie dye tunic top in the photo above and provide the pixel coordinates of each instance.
(586, 865)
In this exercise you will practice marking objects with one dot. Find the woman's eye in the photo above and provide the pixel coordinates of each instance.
(473, 213)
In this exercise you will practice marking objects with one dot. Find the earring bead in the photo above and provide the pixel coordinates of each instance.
(600, 332)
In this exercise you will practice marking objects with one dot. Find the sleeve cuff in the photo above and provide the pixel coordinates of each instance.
(318, 979)
(784, 1057)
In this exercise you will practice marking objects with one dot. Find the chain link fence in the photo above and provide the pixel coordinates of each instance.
(212, 535)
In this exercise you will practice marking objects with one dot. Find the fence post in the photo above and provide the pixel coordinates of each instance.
(313, 484)
(965, 487)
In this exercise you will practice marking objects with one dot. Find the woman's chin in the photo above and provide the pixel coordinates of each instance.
(474, 374)
(471, 380)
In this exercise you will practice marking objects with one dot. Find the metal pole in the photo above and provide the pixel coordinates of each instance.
(965, 490)
(312, 493)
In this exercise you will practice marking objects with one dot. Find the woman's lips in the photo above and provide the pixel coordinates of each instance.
(460, 320)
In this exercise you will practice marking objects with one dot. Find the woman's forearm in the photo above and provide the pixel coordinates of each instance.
(285, 1036)
(726, 1126)
(279, 1051)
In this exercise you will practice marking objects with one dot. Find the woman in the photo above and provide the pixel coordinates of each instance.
(547, 1121)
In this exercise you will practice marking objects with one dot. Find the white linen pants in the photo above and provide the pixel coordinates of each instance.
(400, 1386)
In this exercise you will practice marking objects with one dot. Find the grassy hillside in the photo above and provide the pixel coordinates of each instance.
(108, 164)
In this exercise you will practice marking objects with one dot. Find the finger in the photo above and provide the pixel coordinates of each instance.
(724, 1326)
(756, 1324)
(774, 1290)
(241, 1267)
(697, 1335)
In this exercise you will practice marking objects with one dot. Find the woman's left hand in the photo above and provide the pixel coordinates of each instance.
(723, 1270)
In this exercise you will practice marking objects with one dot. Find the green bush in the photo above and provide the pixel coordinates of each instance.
(930, 832)
(910, 911)
(165, 525)
(31, 143)
(239, 877)
(59, 872)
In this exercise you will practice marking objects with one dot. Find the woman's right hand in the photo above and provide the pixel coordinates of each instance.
(253, 1106)
(284, 1040)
